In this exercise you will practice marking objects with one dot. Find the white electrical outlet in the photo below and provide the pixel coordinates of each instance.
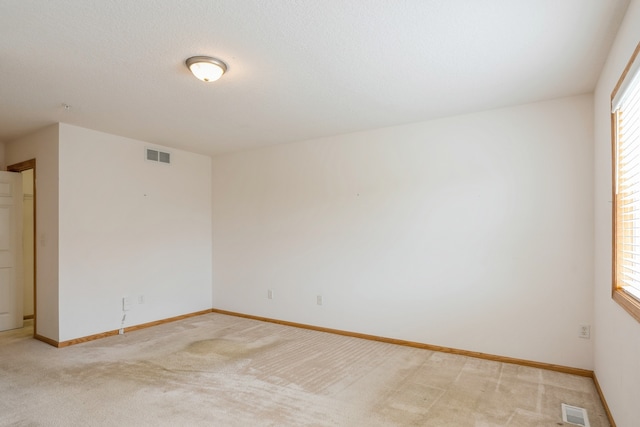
(269, 294)
(140, 299)
(584, 331)
(126, 304)
(319, 300)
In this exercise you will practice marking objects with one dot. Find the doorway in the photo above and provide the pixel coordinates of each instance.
(28, 171)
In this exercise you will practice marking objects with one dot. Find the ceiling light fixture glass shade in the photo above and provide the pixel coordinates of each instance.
(206, 68)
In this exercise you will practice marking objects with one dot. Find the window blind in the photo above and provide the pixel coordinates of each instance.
(626, 112)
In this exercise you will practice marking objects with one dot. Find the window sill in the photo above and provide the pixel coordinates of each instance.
(628, 302)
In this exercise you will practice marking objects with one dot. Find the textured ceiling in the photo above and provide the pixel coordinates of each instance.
(297, 69)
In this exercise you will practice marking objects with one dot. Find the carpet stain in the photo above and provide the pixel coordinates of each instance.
(208, 356)
(222, 347)
(213, 355)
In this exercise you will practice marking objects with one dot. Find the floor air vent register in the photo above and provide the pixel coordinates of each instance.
(575, 415)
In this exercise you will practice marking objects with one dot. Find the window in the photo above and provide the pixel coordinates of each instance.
(625, 122)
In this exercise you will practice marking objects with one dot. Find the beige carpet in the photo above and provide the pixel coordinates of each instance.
(217, 370)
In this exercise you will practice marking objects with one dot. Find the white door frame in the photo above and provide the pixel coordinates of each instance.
(20, 167)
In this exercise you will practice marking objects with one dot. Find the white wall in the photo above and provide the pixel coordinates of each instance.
(473, 232)
(617, 346)
(132, 228)
(43, 146)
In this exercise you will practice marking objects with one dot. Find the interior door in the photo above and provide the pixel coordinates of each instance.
(10, 250)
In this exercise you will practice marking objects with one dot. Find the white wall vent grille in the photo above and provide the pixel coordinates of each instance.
(158, 156)
(164, 157)
(575, 415)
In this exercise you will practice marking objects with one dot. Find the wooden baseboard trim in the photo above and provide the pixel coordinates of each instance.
(87, 338)
(169, 320)
(127, 329)
(27, 317)
(478, 355)
(604, 401)
(46, 340)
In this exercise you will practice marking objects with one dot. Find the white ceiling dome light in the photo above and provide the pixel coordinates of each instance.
(206, 68)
